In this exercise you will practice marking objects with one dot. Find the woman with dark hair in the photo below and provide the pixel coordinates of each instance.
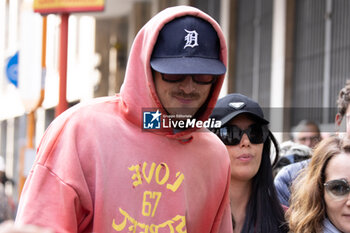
(244, 131)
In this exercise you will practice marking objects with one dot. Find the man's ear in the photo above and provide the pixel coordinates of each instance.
(338, 119)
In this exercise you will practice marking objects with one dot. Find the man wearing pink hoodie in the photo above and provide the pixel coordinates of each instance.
(141, 161)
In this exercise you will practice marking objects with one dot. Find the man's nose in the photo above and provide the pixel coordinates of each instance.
(187, 85)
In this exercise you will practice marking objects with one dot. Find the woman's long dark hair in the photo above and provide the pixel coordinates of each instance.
(264, 213)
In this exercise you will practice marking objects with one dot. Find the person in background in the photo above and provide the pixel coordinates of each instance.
(7, 207)
(307, 133)
(285, 177)
(245, 132)
(320, 200)
(291, 152)
(343, 102)
(305, 136)
(111, 165)
(294, 157)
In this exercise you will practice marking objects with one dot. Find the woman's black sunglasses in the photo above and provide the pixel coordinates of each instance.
(338, 189)
(231, 134)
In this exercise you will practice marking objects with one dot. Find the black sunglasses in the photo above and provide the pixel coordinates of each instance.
(338, 189)
(203, 79)
(231, 134)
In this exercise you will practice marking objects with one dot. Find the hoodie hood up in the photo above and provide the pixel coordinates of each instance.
(138, 91)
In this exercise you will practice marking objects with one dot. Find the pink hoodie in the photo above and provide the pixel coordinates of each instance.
(98, 171)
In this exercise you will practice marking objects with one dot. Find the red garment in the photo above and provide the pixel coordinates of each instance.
(97, 171)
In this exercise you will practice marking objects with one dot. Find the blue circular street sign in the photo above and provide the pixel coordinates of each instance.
(12, 69)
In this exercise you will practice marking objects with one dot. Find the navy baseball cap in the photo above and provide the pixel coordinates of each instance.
(187, 45)
(235, 104)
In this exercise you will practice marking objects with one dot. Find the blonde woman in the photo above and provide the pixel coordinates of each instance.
(320, 196)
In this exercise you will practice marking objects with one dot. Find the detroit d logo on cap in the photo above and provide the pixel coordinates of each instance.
(191, 39)
(151, 120)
